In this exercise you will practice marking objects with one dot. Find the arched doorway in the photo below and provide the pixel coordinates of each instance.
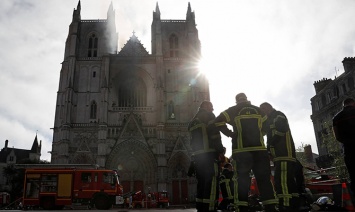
(136, 165)
(178, 166)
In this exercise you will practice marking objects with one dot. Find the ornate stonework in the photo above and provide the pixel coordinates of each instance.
(129, 109)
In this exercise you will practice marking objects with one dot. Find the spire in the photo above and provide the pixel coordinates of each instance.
(78, 8)
(76, 13)
(110, 12)
(189, 14)
(157, 9)
(156, 14)
(35, 145)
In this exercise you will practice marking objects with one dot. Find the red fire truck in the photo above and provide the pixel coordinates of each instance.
(150, 200)
(4, 199)
(54, 188)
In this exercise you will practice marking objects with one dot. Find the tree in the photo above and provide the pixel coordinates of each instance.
(300, 155)
(335, 150)
(15, 177)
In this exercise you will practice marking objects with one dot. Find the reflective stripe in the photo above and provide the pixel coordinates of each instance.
(219, 124)
(242, 203)
(235, 176)
(226, 115)
(197, 126)
(285, 159)
(213, 193)
(288, 144)
(295, 195)
(275, 132)
(284, 188)
(226, 182)
(271, 201)
(199, 200)
(264, 119)
(249, 149)
(238, 124)
(206, 146)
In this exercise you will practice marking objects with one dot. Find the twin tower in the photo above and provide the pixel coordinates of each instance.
(129, 109)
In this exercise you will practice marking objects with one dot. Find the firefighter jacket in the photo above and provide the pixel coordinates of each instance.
(344, 122)
(279, 138)
(203, 140)
(248, 124)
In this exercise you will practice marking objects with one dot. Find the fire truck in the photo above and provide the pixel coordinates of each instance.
(4, 199)
(54, 188)
(150, 200)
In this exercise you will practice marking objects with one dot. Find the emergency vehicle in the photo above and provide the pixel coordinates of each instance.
(54, 188)
(4, 199)
(150, 200)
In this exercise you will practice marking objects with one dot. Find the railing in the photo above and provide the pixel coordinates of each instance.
(132, 108)
(172, 21)
(94, 20)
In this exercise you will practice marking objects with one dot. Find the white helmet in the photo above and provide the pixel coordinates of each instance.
(324, 201)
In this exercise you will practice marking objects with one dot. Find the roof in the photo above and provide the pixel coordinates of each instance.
(133, 47)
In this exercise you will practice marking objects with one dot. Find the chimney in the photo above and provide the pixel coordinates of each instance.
(6, 143)
(308, 153)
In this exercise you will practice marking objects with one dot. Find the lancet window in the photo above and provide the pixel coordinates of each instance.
(93, 45)
(174, 46)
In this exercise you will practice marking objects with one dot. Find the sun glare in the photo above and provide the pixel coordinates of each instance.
(207, 68)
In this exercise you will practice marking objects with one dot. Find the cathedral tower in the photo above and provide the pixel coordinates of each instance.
(129, 110)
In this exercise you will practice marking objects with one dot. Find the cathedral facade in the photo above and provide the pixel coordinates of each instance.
(128, 110)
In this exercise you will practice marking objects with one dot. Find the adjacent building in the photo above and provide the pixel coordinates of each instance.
(11, 155)
(129, 109)
(330, 94)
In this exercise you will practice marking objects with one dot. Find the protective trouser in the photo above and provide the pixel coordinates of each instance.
(285, 185)
(207, 181)
(259, 163)
(349, 157)
(226, 185)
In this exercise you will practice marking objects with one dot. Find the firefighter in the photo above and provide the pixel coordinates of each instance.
(226, 185)
(282, 149)
(249, 152)
(206, 146)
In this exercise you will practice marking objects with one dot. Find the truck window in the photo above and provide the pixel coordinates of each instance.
(49, 182)
(32, 186)
(108, 178)
(86, 177)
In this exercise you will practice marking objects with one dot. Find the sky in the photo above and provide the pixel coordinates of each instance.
(271, 50)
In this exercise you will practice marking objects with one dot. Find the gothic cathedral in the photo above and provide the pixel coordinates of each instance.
(128, 110)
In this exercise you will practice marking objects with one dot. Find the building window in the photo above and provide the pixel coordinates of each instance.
(11, 158)
(132, 93)
(94, 74)
(336, 91)
(318, 105)
(351, 83)
(93, 43)
(324, 100)
(329, 97)
(174, 46)
(344, 88)
(93, 110)
(171, 112)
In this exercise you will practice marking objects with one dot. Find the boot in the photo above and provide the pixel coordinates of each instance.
(295, 204)
(243, 209)
(285, 209)
(270, 208)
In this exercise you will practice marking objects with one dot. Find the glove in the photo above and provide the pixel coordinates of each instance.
(192, 169)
